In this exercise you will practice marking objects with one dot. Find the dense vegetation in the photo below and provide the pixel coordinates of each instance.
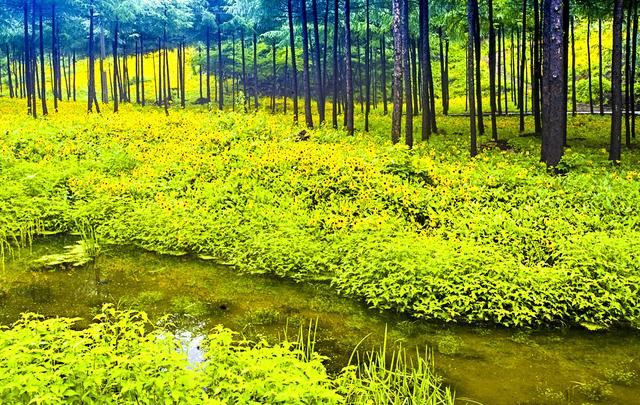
(494, 239)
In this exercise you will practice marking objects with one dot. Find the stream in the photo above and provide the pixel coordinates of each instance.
(490, 365)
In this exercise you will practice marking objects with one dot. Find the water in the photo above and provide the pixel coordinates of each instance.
(489, 365)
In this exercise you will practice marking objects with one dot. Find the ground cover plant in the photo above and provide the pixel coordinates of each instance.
(426, 231)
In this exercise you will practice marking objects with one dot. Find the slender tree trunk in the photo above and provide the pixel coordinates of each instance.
(245, 90)
(499, 70)
(335, 103)
(492, 72)
(633, 69)
(255, 69)
(574, 106)
(319, 83)
(397, 71)
(627, 75)
(115, 65)
(103, 73)
(57, 94)
(9, 80)
(220, 67)
(523, 64)
(424, 42)
(565, 38)
(616, 83)
(27, 60)
(600, 65)
(305, 69)
(471, 26)
(275, 77)
(407, 76)
(208, 53)
(383, 74)
(537, 71)
(294, 68)
(91, 89)
(589, 65)
(348, 68)
(142, 97)
(286, 78)
(478, 55)
(367, 68)
(43, 87)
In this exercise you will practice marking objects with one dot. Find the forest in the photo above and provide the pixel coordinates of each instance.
(319, 201)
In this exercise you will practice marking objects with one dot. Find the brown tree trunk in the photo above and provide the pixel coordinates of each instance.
(616, 83)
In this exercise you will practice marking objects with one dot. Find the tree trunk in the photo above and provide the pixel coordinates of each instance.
(383, 74)
(255, 69)
(115, 65)
(43, 87)
(574, 106)
(633, 69)
(348, 68)
(425, 56)
(9, 79)
(616, 83)
(335, 102)
(220, 68)
(367, 68)
(537, 71)
(589, 65)
(305, 68)
(627, 76)
(471, 26)
(245, 91)
(274, 77)
(553, 83)
(523, 65)
(294, 68)
(208, 53)
(407, 75)
(478, 55)
(319, 84)
(396, 126)
(103, 73)
(492, 72)
(142, 97)
(600, 65)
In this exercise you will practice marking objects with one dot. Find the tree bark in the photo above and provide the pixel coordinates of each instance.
(600, 65)
(407, 76)
(478, 56)
(367, 68)
(305, 69)
(553, 83)
(425, 56)
(492, 72)
(471, 27)
(523, 65)
(319, 81)
(589, 65)
(348, 68)
(43, 87)
(115, 64)
(396, 126)
(616, 83)
(220, 67)
(294, 69)
(335, 103)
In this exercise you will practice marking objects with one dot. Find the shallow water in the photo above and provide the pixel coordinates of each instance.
(489, 365)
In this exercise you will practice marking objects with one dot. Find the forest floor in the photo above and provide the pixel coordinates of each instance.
(428, 232)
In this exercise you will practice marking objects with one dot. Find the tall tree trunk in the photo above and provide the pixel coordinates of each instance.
(574, 106)
(208, 53)
(367, 68)
(255, 69)
(43, 87)
(471, 27)
(245, 90)
(396, 126)
(616, 83)
(57, 95)
(294, 68)
(115, 64)
(443, 74)
(478, 55)
(600, 66)
(523, 64)
(103, 73)
(335, 103)
(348, 68)
(142, 97)
(319, 84)
(565, 38)
(407, 75)
(589, 65)
(499, 70)
(633, 69)
(27, 60)
(537, 70)
(305, 68)
(627, 75)
(553, 83)
(424, 54)
(220, 67)
(383, 74)
(275, 77)
(9, 80)
(137, 59)
(492, 72)
(91, 89)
